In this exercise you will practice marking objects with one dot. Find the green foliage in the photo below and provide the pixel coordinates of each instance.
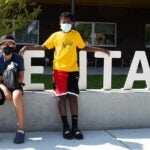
(14, 13)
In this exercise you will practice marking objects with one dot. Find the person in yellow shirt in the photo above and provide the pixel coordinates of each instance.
(66, 70)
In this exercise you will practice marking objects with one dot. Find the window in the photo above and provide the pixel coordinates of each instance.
(147, 35)
(85, 30)
(28, 34)
(98, 33)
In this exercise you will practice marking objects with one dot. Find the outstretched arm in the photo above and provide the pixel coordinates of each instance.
(93, 49)
(36, 47)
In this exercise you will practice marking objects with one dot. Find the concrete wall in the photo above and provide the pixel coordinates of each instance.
(97, 110)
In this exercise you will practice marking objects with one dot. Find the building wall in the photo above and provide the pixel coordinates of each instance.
(130, 23)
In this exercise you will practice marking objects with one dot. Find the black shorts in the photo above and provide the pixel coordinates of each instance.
(19, 88)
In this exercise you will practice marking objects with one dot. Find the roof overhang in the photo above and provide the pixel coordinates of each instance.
(105, 3)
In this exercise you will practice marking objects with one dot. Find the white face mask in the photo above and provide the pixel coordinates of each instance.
(66, 27)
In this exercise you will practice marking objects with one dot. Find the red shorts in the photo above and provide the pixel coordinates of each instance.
(66, 82)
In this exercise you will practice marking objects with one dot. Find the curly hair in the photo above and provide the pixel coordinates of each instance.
(67, 15)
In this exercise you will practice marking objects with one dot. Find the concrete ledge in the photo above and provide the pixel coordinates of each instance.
(97, 110)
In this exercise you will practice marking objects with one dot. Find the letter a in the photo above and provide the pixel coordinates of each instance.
(139, 56)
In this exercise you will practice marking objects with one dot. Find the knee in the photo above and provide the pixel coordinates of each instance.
(62, 99)
(72, 98)
(17, 95)
(8, 95)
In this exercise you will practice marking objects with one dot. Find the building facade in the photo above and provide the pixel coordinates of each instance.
(116, 26)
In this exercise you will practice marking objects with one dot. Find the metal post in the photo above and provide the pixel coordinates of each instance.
(73, 7)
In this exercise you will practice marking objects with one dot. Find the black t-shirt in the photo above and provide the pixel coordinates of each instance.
(16, 59)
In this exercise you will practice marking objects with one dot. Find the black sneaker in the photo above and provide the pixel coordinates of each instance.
(77, 134)
(19, 138)
(67, 134)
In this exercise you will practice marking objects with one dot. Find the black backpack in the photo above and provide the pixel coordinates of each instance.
(10, 77)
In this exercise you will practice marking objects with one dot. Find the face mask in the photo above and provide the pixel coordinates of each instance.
(66, 27)
(8, 50)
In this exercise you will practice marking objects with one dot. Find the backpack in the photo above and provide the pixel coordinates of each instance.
(10, 77)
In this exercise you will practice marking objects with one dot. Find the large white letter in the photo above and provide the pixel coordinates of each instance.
(107, 76)
(83, 70)
(28, 55)
(133, 75)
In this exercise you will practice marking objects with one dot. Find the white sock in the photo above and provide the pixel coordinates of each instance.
(21, 131)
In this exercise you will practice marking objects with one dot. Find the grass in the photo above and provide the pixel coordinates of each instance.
(93, 81)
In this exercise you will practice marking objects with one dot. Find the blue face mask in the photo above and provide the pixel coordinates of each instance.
(8, 50)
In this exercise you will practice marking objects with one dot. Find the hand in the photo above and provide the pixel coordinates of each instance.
(7, 94)
(22, 50)
(106, 51)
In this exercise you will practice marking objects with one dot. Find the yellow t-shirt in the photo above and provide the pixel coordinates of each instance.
(65, 44)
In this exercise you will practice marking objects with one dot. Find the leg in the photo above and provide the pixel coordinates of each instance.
(74, 111)
(73, 104)
(19, 108)
(60, 86)
(63, 113)
(62, 105)
(72, 96)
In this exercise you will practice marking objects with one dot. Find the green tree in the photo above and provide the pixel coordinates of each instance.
(14, 13)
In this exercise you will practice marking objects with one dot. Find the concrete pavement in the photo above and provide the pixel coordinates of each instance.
(127, 139)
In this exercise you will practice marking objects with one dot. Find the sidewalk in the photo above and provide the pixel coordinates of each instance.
(127, 139)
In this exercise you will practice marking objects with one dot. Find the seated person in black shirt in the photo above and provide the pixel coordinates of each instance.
(9, 59)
